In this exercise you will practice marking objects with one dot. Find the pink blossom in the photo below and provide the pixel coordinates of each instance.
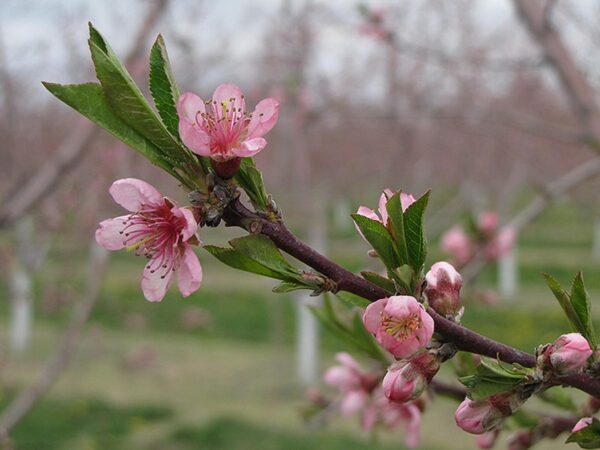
(400, 324)
(456, 242)
(221, 128)
(477, 417)
(443, 288)
(584, 422)
(406, 380)
(393, 415)
(568, 354)
(157, 229)
(354, 384)
(501, 244)
(488, 222)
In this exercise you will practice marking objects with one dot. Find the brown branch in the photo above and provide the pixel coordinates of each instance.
(237, 214)
(72, 150)
(23, 403)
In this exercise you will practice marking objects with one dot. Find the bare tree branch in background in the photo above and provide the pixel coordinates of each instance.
(578, 89)
(20, 406)
(22, 198)
(579, 175)
(582, 96)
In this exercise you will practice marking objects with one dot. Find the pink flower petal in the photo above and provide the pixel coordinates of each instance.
(188, 107)
(383, 199)
(194, 138)
(230, 95)
(368, 212)
(132, 193)
(250, 147)
(191, 226)
(155, 285)
(353, 402)
(190, 272)
(372, 315)
(108, 234)
(264, 118)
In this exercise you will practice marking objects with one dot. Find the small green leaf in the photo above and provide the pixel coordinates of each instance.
(352, 299)
(261, 249)
(237, 260)
(492, 377)
(250, 180)
(576, 306)
(396, 220)
(414, 232)
(379, 237)
(581, 305)
(163, 86)
(289, 286)
(382, 282)
(588, 437)
(404, 276)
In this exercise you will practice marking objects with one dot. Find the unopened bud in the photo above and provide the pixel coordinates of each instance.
(567, 355)
(443, 288)
(407, 380)
(477, 417)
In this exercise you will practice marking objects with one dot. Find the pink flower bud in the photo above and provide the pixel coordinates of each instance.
(501, 244)
(568, 354)
(407, 380)
(456, 242)
(584, 422)
(477, 417)
(488, 222)
(400, 324)
(443, 288)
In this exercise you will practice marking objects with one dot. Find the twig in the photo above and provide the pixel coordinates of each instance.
(237, 214)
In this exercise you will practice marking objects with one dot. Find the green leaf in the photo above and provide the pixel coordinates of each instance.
(382, 282)
(128, 102)
(379, 237)
(289, 286)
(492, 377)
(414, 232)
(588, 437)
(581, 305)
(250, 180)
(396, 220)
(576, 306)
(261, 249)
(352, 299)
(89, 100)
(237, 260)
(404, 276)
(163, 86)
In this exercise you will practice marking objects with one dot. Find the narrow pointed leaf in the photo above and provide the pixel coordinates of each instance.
(237, 260)
(381, 240)
(415, 233)
(163, 86)
(581, 305)
(382, 282)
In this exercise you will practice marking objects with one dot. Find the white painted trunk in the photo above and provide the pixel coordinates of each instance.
(508, 274)
(21, 314)
(307, 336)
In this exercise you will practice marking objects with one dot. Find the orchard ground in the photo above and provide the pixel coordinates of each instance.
(217, 370)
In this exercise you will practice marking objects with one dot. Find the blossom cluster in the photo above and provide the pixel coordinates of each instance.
(485, 235)
(156, 227)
